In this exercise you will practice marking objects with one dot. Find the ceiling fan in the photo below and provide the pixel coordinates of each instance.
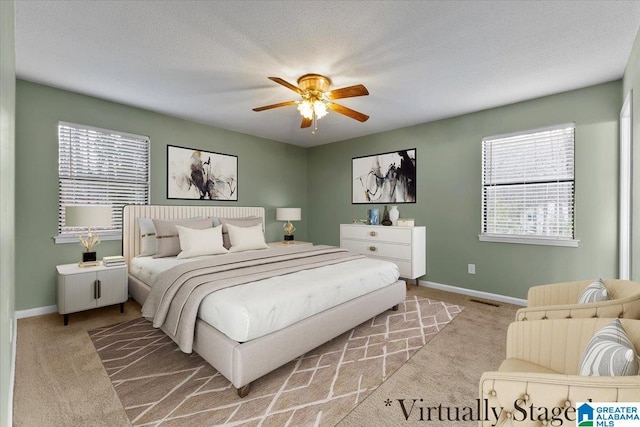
(317, 99)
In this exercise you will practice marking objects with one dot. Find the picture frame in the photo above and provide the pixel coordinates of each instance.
(194, 174)
(389, 177)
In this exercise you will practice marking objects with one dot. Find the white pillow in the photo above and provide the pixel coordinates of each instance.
(246, 238)
(199, 242)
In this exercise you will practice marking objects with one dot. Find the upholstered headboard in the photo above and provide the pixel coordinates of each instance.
(131, 230)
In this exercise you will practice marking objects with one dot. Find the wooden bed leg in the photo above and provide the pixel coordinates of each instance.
(244, 390)
(395, 307)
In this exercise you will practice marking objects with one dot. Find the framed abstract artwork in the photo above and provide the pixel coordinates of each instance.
(384, 178)
(201, 175)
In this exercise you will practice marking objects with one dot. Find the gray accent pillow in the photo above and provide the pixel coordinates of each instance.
(595, 292)
(238, 222)
(167, 237)
(147, 237)
(609, 353)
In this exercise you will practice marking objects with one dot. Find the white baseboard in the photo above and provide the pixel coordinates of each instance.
(474, 293)
(38, 311)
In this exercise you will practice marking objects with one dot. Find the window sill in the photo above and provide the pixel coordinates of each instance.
(570, 243)
(73, 238)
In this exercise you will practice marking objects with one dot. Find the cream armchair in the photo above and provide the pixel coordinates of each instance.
(560, 301)
(540, 378)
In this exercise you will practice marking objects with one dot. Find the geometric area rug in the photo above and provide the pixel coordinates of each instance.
(159, 385)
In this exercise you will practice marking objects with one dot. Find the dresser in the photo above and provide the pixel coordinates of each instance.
(404, 246)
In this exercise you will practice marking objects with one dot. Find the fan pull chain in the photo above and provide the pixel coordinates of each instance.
(315, 123)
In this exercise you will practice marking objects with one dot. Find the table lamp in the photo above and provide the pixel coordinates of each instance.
(288, 214)
(88, 216)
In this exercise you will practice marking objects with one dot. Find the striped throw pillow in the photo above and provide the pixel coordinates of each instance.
(595, 292)
(609, 353)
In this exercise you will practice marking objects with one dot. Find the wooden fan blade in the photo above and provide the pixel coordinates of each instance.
(348, 112)
(305, 123)
(268, 107)
(286, 84)
(348, 92)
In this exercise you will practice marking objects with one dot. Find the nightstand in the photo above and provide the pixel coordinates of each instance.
(85, 288)
(289, 243)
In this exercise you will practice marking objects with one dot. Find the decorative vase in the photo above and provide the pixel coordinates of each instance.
(374, 216)
(385, 217)
(394, 215)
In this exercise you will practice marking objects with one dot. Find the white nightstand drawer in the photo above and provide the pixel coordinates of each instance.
(378, 249)
(377, 233)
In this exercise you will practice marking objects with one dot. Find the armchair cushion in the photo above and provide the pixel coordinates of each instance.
(595, 292)
(519, 365)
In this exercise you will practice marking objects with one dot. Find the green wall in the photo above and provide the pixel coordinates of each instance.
(273, 174)
(449, 193)
(7, 205)
(631, 81)
(270, 174)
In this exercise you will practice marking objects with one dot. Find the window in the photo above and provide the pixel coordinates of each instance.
(528, 187)
(100, 167)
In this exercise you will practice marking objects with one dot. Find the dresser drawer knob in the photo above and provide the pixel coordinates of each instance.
(373, 233)
(373, 248)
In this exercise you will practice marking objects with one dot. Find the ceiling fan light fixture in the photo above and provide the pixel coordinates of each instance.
(306, 109)
(311, 110)
(317, 99)
(320, 108)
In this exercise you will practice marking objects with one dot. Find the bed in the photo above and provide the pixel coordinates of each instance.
(253, 352)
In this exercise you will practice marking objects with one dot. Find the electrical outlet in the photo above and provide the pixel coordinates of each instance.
(471, 268)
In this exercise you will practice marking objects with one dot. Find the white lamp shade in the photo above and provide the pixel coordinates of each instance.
(288, 214)
(87, 216)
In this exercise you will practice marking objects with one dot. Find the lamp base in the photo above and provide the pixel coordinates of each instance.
(288, 237)
(89, 257)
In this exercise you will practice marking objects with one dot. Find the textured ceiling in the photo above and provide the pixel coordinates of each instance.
(421, 61)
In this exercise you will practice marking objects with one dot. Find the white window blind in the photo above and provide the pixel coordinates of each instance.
(100, 167)
(528, 185)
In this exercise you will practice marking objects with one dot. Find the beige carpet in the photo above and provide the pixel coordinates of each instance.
(161, 386)
(60, 380)
(444, 373)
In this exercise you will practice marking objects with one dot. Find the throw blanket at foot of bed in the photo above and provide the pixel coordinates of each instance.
(177, 293)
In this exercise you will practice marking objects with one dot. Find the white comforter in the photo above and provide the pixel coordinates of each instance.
(258, 308)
